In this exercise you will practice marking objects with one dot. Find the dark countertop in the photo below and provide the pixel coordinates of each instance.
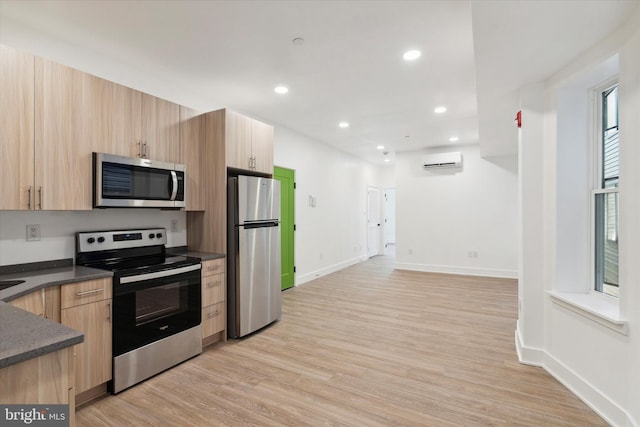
(39, 279)
(204, 256)
(24, 336)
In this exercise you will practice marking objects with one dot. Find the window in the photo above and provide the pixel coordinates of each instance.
(606, 194)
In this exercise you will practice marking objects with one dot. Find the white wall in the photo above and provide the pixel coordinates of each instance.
(601, 365)
(58, 230)
(444, 214)
(331, 235)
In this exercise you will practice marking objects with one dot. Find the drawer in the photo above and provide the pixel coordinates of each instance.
(213, 266)
(213, 289)
(85, 292)
(213, 319)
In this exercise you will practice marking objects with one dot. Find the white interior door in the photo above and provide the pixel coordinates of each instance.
(373, 221)
(390, 216)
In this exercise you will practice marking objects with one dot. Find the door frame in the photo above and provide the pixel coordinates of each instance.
(377, 222)
(287, 222)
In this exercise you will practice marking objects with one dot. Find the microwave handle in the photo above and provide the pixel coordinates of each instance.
(174, 186)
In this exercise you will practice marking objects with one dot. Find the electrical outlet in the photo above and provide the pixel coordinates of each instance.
(174, 225)
(33, 232)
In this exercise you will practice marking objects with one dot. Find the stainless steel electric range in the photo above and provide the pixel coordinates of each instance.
(156, 301)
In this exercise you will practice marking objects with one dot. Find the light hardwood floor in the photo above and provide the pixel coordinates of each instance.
(366, 346)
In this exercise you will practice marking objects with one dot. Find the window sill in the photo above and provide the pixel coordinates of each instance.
(600, 309)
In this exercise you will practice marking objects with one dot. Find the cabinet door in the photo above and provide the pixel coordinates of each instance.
(33, 302)
(262, 146)
(161, 129)
(63, 142)
(116, 122)
(238, 141)
(93, 356)
(16, 128)
(192, 142)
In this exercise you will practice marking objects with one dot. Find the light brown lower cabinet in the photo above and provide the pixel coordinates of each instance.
(214, 308)
(47, 379)
(86, 307)
(33, 302)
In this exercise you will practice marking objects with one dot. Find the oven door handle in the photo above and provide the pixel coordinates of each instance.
(159, 274)
(174, 185)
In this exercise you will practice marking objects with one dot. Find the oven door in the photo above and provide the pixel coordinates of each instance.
(152, 306)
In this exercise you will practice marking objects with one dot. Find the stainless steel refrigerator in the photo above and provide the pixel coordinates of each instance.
(253, 254)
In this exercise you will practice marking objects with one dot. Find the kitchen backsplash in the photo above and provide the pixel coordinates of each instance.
(58, 228)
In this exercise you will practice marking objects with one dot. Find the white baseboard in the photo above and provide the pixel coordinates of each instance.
(304, 278)
(528, 355)
(590, 395)
(452, 269)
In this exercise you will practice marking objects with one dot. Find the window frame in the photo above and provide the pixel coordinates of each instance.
(597, 175)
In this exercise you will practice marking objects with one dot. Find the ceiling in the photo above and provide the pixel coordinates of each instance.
(212, 54)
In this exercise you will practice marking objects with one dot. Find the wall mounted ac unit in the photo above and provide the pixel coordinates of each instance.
(443, 160)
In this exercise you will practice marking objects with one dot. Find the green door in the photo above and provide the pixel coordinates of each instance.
(287, 223)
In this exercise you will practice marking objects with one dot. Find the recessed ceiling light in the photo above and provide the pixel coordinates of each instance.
(387, 160)
(343, 125)
(411, 55)
(439, 110)
(380, 147)
(454, 139)
(281, 89)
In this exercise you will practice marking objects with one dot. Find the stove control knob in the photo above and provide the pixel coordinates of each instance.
(90, 240)
(100, 239)
(151, 235)
(159, 235)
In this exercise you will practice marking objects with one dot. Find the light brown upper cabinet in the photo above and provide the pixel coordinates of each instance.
(117, 119)
(16, 129)
(192, 142)
(262, 146)
(160, 129)
(249, 143)
(63, 137)
(133, 124)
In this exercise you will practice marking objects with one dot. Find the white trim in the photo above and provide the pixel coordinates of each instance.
(452, 269)
(601, 404)
(304, 278)
(528, 355)
(585, 391)
(604, 311)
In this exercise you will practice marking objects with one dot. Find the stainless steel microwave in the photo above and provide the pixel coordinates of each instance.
(127, 182)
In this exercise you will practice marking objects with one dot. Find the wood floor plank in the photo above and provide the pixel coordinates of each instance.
(365, 346)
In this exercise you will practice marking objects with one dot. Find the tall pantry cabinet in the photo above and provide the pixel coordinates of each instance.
(231, 141)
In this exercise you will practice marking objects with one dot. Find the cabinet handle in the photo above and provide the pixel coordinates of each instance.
(213, 314)
(144, 150)
(40, 197)
(109, 311)
(29, 196)
(214, 284)
(85, 293)
(139, 144)
(213, 267)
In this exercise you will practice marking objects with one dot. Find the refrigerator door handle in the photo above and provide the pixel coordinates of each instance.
(260, 224)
